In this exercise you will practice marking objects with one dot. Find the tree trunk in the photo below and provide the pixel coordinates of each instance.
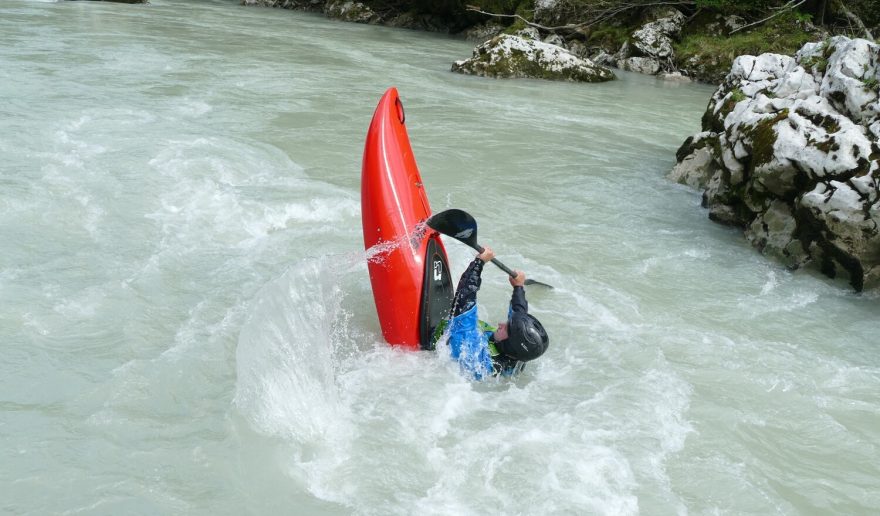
(817, 8)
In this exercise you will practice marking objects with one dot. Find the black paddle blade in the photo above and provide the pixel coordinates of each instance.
(461, 226)
(455, 223)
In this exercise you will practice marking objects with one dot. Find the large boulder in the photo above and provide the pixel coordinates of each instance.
(789, 151)
(649, 49)
(654, 39)
(513, 56)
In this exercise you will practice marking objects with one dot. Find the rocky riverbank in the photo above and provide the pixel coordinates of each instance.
(789, 151)
(685, 41)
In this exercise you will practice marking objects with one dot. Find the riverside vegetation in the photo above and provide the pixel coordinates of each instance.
(700, 43)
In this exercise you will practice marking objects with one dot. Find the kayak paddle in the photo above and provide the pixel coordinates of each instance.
(461, 226)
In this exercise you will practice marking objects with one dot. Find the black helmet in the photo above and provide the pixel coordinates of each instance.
(527, 339)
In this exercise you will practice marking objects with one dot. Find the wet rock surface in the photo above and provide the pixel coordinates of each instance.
(789, 151)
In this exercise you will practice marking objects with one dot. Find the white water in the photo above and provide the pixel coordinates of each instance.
(188, 328)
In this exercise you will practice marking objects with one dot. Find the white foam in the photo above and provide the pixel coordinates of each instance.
(286, 370)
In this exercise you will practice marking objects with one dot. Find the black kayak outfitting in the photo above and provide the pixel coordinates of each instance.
(437, 293)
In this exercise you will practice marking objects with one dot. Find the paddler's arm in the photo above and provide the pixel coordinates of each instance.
(469, 284)
(518, 301)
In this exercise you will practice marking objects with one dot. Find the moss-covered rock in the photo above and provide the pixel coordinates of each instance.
(792, 151)
(512, 56)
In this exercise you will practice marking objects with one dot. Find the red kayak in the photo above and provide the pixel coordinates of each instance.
(410, 275)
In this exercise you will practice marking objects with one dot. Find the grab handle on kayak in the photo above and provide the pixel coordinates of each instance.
(401, 114)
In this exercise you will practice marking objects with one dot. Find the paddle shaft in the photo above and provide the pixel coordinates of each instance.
(461, 226)
(500, 265)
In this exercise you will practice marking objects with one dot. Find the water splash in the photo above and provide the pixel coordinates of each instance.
(286, 357)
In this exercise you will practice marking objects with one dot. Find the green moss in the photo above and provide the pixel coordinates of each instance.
(826, 122)
(518, 64)
(827, 146)
(816, 63)
(871, 83)
(610, 37)
(736, 96)
(763, 136)
(516, 26)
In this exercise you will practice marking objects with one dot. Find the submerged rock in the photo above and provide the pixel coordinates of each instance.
(513, 56)
(789, 151)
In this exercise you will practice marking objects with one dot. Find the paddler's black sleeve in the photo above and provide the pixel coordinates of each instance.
(468, 285)
(518, 301)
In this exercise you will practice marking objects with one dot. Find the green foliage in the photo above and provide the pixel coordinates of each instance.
(609, 36)
(817, 63)
(871, 83)
(737, 95)
(802, 17)
(782, 35)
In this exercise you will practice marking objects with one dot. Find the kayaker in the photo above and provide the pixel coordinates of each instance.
(482, 350)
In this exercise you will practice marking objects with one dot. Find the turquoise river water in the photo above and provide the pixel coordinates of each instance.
(187, 325)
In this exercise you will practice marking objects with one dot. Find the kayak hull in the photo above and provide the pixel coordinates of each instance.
(407, 262)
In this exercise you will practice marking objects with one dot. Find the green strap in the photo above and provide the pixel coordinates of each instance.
(484, 327)
(438, 330)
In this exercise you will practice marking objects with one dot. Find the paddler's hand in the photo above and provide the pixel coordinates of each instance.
(486, 255)
(519, 280)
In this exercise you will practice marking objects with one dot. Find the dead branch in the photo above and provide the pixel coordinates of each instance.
(476, 9)
(610, 10)
(784, 9)
(854, 19)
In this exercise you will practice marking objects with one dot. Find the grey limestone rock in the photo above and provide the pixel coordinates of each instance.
(513, 56)
(649, 49)
(654, 39)
(789, 151)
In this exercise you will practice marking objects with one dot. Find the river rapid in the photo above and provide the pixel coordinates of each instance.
(187, 324)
